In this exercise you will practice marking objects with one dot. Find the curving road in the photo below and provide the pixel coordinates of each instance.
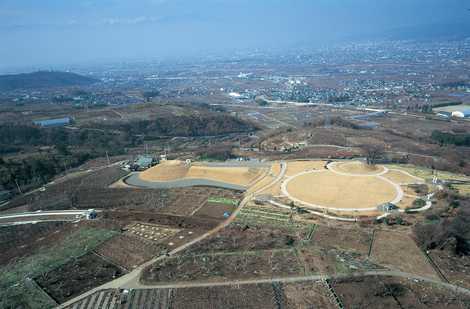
(135, 181)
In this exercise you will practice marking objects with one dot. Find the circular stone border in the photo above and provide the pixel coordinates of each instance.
(396, 200)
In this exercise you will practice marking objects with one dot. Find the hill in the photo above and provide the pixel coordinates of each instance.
(43, 79)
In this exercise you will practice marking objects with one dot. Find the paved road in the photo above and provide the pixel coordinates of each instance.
(44, 213)
(387, 273)
(43, 216)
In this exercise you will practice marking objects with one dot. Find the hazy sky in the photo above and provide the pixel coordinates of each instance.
(43, 32)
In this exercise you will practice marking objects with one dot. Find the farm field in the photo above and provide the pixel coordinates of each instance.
(319, 260)
(251, 296)
(398, 251)
(128, 251)
(351, 239)
(77, 276)
(16, 292)
(151, 232)
(214, 210)
(384, 292)
(23, 240)
(217, 266)
(307, 295)
(248, 253)
(316, 261)
(180, 222)
(238, 236)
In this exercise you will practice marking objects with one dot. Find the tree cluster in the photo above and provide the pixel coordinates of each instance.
(190, 126)
(444, 138)
(438, 231)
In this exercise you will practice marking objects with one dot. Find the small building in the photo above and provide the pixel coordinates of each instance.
(91, 214)
(57, 122)
(461, 114)
(143, 162)
(388, 207)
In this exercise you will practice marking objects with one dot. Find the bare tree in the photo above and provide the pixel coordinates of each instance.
(373, 152)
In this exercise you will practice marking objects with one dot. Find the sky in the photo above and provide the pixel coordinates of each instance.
(53, 32)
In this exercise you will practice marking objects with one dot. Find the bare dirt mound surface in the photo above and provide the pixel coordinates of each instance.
(337, 191)
(168, 170)
(176, 170)
(296, 167)
(358, 168)
(236, 175)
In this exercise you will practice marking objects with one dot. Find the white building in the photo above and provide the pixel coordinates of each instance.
(461, 114)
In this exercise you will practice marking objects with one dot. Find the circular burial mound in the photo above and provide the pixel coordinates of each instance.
(357, 168)
(339, 192)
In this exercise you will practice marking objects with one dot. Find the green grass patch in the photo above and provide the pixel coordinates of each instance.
(16, 289)
(264, 212)
(222, 200)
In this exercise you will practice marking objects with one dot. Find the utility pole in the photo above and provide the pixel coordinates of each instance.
(19, 189)
(107, 157)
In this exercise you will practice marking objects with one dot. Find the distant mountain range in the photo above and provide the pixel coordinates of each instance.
(429, 32)
(43, 79)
